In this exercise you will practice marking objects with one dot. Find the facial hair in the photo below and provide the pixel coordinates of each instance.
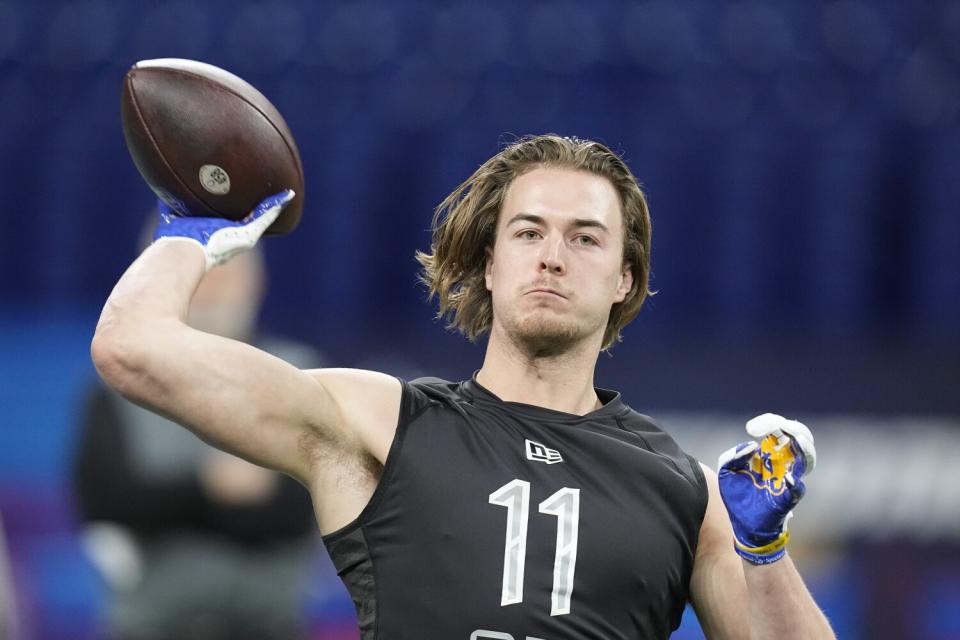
(542, 333)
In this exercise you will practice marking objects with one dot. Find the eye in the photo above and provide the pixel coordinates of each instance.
(528, 234)
(587, 241)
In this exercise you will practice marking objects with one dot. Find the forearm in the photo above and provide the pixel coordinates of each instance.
(158, 285)
(145, 309)
(780, 605)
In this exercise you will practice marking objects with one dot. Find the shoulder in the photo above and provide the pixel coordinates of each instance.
(428, 390)
(370, 405)
(716, 531)
(365, 407)
(716, 525)
(659, 441)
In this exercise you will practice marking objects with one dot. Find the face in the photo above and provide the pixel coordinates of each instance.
(557, 267)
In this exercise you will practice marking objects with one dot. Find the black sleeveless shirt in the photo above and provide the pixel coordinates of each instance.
(502, 520)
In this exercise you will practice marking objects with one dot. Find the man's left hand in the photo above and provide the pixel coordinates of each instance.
(761, 483)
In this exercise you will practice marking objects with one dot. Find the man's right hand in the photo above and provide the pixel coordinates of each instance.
(221, 239)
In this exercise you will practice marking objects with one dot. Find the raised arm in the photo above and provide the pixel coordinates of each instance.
(232, 395)
(744, 584)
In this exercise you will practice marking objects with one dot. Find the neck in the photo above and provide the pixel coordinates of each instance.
(559, 381)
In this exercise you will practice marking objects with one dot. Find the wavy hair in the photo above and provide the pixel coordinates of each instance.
(465, 224)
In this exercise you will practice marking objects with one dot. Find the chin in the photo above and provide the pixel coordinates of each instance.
(546, 334)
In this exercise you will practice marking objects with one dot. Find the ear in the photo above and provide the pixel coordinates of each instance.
(488, 269)
(625, 283)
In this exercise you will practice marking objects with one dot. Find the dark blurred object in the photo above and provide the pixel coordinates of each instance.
(8, 618)
(194, 543)
(207, 142)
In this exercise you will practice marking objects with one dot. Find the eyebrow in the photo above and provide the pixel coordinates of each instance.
(577, 222)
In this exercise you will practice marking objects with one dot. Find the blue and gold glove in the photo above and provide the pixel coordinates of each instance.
(220, 239)
(761, 483)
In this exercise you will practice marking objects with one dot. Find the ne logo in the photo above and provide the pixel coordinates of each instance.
(539, 453)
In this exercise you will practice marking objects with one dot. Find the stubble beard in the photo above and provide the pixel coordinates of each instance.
(542, 334)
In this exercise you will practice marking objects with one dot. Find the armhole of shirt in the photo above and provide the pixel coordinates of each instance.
(408, 413)
(701, 481)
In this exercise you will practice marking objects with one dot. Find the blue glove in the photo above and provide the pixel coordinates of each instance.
(761, 483)
(220, 239)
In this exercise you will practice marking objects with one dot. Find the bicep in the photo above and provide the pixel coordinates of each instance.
(718, 589)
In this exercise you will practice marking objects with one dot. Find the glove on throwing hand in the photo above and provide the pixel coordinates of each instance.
(219, 238)
(761, 483)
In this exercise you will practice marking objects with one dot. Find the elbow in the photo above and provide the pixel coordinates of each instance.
(112, 359)
(131, 356)
(119, 357)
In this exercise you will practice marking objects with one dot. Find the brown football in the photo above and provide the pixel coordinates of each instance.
(207, 142)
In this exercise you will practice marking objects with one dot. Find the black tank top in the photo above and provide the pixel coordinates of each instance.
(502, 520)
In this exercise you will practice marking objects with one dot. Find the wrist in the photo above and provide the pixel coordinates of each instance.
(765, 553)
(166, 239)
(184, 240)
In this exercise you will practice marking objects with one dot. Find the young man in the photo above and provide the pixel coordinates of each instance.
(523, 503)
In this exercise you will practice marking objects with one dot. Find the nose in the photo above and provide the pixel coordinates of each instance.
(551, 257)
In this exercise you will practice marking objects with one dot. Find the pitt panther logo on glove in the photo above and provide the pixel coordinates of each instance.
(761, 483)
(773, 463)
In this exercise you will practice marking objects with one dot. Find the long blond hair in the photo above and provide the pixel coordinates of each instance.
(465, 223)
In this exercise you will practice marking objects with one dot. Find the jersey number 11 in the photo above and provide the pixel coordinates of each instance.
(565, 505)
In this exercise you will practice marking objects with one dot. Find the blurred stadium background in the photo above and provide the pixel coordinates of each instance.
(803, 165)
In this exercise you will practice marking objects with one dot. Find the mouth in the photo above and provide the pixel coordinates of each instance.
(546, 291)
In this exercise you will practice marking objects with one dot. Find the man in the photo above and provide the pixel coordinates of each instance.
(181, 504)
(523, 503)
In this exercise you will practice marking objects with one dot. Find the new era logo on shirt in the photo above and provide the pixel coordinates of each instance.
(539, 453)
